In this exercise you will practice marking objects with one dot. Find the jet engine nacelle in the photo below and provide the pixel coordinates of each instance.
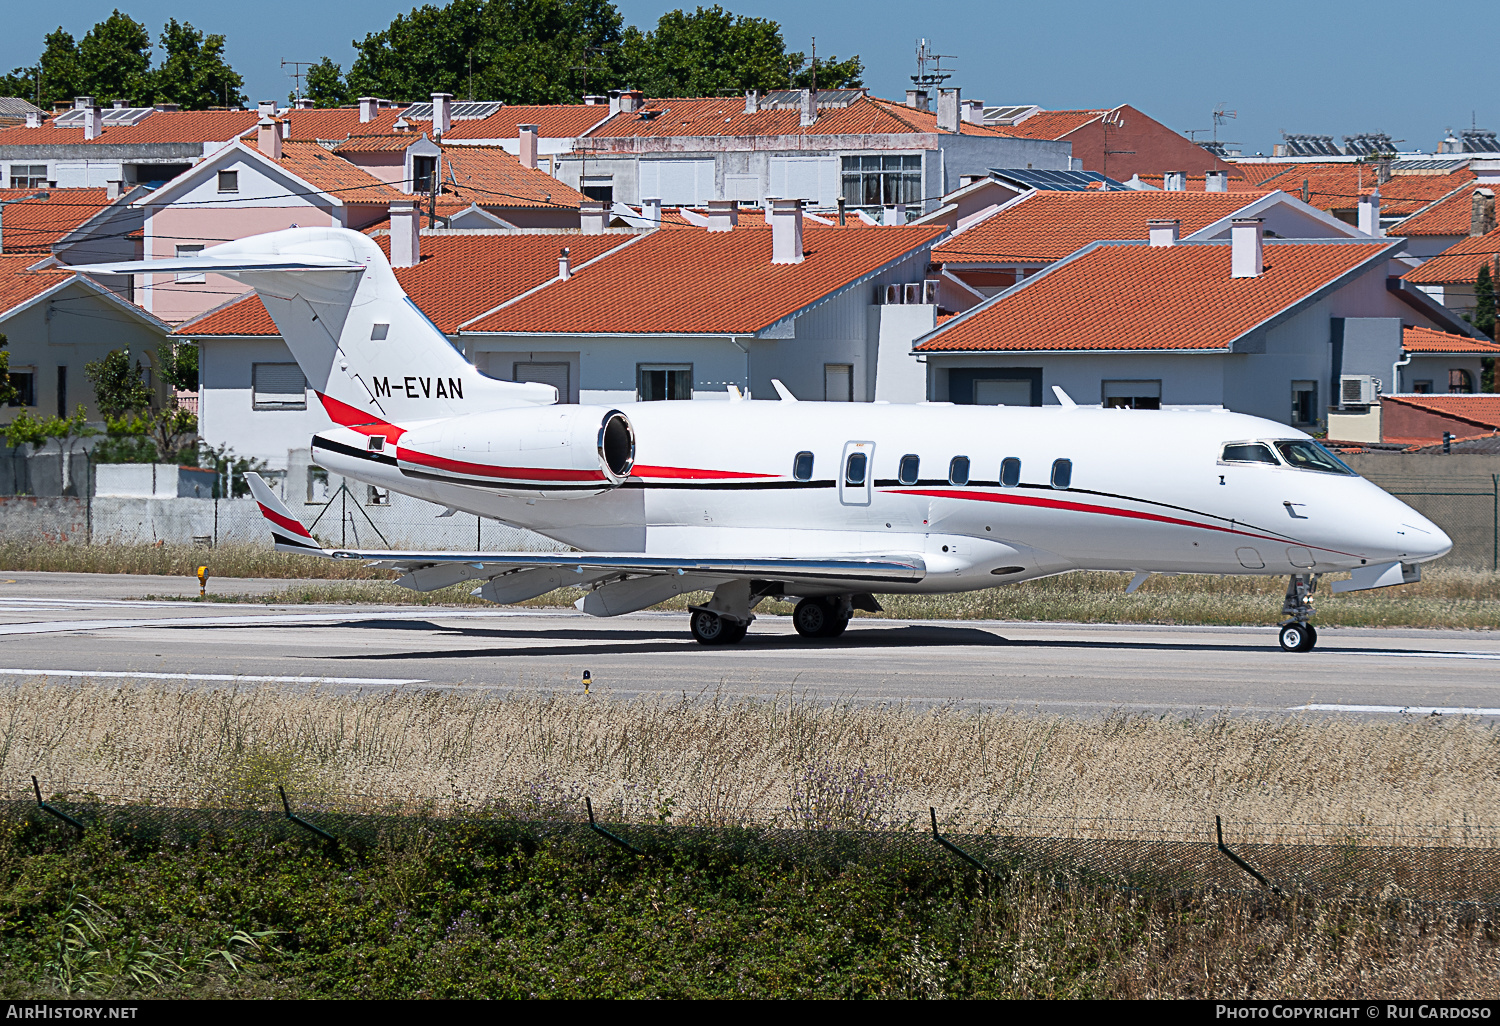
(550, 451)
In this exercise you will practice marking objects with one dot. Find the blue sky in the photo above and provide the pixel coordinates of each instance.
(1411, 70)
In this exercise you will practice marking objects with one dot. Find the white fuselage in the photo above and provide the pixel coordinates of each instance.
(1148, 490)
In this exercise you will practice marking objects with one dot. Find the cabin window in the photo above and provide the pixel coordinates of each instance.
(802, 466)
(910, 464)
(854, 470)
(1062, 473)
(1010, 472)
(958, 470)
(1305, 454)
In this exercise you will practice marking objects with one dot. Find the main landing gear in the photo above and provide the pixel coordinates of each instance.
(824, 617)
(1297, 635)
(710, 628)
(726, 617)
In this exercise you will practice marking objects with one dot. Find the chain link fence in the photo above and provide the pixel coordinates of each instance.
(1326, 862)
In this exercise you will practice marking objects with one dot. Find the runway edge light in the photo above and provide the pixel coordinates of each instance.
(203, 582)
(587, 680)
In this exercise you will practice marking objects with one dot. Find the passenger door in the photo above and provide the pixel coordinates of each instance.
(857, 473)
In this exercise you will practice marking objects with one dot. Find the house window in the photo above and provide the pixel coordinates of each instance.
(1131, 395)
(1460, 381)
(657, 381)
(600, 188)
(28, 176)
(422, 169)
(229, 181)
(1304, 402)
(1422, 387)
(873, 182)
(189, 278)
(278, 386)
(838, 382)
(995, 386)
(24, 382)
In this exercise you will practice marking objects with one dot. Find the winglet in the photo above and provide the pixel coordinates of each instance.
(1062, 397)
(287, 531)
(783, 391)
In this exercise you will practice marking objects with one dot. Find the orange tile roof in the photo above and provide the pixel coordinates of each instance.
(491, 177)
(553, 121)
(1481, 410)
(1458, 264)
(34, 226)
(334, 175)
(17, 284)
(1257, 173)
(1429, 340)
(1197, 183)
(1052, 124)
(1447, 216)
(188, 126)
(460, 277)
(1339, 186)
(726, 116)
(1130, 296)
(705, 282)
(1047, 226)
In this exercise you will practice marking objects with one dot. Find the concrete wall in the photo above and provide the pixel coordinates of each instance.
(52, 519)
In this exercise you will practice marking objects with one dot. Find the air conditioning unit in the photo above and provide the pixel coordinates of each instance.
(893, 295)
(930, 291)
(1359, 390)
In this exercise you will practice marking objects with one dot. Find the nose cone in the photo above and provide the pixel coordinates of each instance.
(1424, 539)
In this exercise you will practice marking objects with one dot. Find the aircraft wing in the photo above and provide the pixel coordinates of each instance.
(427, 571)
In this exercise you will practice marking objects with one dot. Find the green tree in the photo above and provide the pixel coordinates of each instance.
(326, 86)
(115, 60)
(1484, 301)
(8, 392)
(119, 387)
(66, 431)
(60, 73)
(193, 72)
(133, 409)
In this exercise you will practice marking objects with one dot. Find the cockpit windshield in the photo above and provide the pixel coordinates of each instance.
(1305, 454)
(1248, 452)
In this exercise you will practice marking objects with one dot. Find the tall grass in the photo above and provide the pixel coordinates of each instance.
(715, 760)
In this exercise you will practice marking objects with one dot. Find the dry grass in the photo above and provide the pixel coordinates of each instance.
(720, 761)
(178, 561)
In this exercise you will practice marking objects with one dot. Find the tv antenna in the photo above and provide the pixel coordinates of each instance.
(297, 75)
(925, 79)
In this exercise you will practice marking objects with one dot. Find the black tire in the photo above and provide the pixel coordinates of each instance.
(710, 628)
(837, 627)
(734, 633)
(1297, 637)
(813, 617)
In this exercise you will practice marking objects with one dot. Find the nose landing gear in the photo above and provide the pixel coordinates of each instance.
(1297, 635)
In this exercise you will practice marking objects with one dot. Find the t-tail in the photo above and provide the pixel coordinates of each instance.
(369, 352)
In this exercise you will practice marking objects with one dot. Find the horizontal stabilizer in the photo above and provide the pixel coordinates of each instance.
(287, 532)
(214, 264)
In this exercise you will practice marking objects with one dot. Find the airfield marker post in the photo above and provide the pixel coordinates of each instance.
(955, 849)
(600, 830)
(56, 812)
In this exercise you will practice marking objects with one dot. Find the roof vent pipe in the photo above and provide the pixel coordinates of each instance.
(1246, 243)
(593, 216)
(723, 215)
(564, 264)
(1174, 181)
(93, 122)
(972, 112)
(406, 236)
(1482, 213)
(1369, 213)
(631, 100)
(1164, 233)
(947, 112)
(1216, 181)
(651, 211)
(306, 103)
(595, 100)
(527, 151)
(786, 230)
(368, 106)
(752, 101)
(268, 137)
(267, 108)
(809, 107)
(82, 102)
(33, 119)
(614, 101)
(442, 113)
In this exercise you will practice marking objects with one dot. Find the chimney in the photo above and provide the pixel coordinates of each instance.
(593, 215)
(631, 100)
(809, 107)
(82, 102)
(306, 103)
(614, 101)
(118, 105)
(112, 190)
(267, 108)
(268, 137)
(1174, 181)
(368, 108)
(972, 112)
(93, 122)
(651, 211)
(752, 101)
(33, 119)
(916, 98)
(947, 112)
(1216, 181)
(1163, 233)
(442, 113)
(528, 145)
(284, 127)
(786, 230)
(893, 216)
(723, 215)
(1246, 244)
(1482, 213)
(1369, 213)
(564, 264)
(595, 100)
(406, 235)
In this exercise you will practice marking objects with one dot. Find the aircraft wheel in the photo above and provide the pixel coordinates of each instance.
(1298, 637)
(837, 627)
(712, 629)
(814, 617)
(734, 633)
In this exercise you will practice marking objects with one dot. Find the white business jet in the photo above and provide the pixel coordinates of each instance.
(826, 503)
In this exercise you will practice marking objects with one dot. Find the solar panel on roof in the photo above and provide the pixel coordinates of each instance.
(468, 110)
(1009, 115)
(791, 99)
(112, 116)
(1440, 164)
(1056, 181)
(1479, 140)
(1310, 146)
(1369, 144)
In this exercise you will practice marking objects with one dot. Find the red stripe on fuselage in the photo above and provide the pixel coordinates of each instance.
(1110, 511)
(542, 474)
(689, 474)
(354, 419)
(286, 522)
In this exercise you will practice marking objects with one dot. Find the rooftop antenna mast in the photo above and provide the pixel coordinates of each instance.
(1221, 115)
(297, 75)
(925, 79)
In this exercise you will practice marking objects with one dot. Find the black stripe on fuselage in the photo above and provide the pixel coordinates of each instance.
(383, 458)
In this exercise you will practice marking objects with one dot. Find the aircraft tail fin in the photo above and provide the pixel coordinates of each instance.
(287, 531)
(369, 352)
